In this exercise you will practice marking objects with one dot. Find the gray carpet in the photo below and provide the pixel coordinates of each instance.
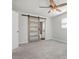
(48, 49)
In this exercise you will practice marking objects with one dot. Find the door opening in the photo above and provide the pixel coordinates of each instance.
(42, 30)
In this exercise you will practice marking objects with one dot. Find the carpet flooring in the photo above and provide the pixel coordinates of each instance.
(45, 49)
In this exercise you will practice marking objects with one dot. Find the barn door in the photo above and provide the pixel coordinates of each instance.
(33, 28)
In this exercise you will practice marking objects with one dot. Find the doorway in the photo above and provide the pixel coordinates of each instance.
(42, 29)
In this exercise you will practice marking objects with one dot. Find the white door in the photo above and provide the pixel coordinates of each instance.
(14, 30)
(23, 29)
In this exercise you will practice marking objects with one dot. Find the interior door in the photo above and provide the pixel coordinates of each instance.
(33, 29)
(15, 30)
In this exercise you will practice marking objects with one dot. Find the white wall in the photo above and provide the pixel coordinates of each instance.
(14, 29)
(60, 27)
(23, 29)
(49, 31)
(56, 28)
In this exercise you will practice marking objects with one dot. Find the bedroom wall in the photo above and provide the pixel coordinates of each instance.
(49, 30)
(60, 27)
(14, 30)
(23, 29)
(56, 28)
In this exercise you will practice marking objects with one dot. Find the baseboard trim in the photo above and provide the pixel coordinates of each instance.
(60, 41)
(22, 42)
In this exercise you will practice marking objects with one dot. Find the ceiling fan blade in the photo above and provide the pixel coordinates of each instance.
(58, 10)
(44, 6)
(53, 6)
(54, 10)
(61, 5)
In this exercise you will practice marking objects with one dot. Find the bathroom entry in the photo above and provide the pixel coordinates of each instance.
(42, 29)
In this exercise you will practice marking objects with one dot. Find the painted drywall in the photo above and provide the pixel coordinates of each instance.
(23, 29)
(49, 31)
(53, 29)
(56, 28)
(59, 28)
(14, 30)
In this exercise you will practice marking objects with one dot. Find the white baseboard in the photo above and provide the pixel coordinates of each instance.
(64, 41)
(23, 42)
(55, 39)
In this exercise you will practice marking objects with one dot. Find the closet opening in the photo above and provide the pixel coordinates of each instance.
(42, 29)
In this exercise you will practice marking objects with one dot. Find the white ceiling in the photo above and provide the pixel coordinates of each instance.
(32, 7)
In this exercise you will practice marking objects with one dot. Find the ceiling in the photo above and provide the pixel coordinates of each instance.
(32, 7)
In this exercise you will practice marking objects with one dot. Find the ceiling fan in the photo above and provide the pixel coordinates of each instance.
(53, 6)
